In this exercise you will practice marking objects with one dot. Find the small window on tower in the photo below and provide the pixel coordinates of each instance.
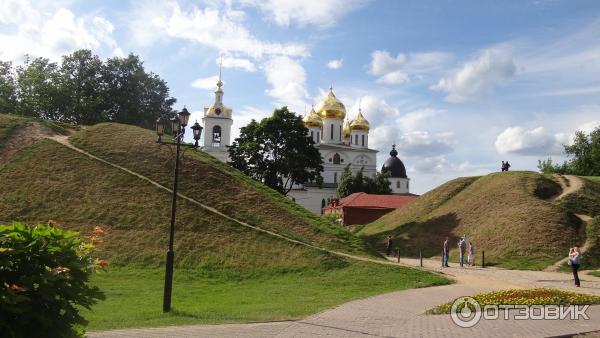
(216, 136)
(336, 158)
(356, 139)
(312, 134)
(334, 177)
(331, 135)
(363, 140)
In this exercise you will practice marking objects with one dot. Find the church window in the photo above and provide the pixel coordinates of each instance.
(318, 136)
(331, 135)
(356, 139)
(340, 133)
(216, 136)
(312, 135)
(336, 158)
(342, 160)
(330, 159)
(406, 185)
(398, 184)
(363, 140)
(334, 177)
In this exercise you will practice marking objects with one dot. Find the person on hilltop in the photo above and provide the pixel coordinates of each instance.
(462, 246)
(574, 261)
(446, 253)
(471, 256)
(503, 166)
(390, 243)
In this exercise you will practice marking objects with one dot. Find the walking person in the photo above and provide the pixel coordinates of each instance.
(446, 253)
(390, 243)
(503, 166)
(507, 165)
(574, 261)
(462, 246)
(471, 256)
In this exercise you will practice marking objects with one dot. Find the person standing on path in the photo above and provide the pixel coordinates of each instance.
(471, 257)
(446, 253)
(390, 243)
(462, 246)
(575, 259)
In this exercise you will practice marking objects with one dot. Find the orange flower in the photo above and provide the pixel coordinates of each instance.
(59, 270)
(101, 262)
(98, 231)
(17, 288)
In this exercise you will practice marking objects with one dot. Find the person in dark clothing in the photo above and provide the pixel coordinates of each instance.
(446, 253)
(574, 260)
(389, 246)
(503, 166)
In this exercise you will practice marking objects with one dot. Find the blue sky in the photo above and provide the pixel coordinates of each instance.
(458, 85)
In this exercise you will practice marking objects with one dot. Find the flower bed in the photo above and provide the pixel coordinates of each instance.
(540, 296)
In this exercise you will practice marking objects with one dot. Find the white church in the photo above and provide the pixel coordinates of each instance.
(340, 141)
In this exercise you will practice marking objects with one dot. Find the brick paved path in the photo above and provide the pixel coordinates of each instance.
(400, 314)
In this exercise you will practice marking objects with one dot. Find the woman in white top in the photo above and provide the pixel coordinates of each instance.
(574, 259)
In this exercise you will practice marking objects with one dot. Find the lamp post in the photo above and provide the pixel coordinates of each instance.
(178, 124)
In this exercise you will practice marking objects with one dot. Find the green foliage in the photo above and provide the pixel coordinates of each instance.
(547, 167)
(585, 201)
(350, 184)
(82, 89)
(8, 88)
(584, 153)
(277, 152)
(44, 274)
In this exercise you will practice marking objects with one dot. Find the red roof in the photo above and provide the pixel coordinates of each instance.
(364, 200)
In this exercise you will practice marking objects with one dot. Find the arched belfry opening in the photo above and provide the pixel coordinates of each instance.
(216, 136)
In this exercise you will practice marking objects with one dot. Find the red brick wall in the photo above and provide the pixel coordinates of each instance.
(362, 216)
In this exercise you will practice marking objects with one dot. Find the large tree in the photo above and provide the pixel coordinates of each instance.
(583, 153)
(350, 184)
(277, 152)
(83, 89)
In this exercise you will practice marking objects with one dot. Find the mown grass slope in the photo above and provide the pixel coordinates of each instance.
(509, 215)
(587, 200)
(215, 184)
(224, 271)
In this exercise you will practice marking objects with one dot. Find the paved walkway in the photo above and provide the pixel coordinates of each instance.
(401, 314)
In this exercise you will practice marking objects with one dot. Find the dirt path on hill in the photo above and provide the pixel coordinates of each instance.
(574, 184)
(64, 140)
(22, 138)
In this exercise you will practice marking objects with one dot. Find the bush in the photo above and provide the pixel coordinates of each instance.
(44, 273)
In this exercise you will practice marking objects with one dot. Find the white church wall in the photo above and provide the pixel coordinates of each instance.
(312, 198)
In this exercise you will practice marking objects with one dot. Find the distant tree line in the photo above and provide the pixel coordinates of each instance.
(83, 89)
(584, 156)
(350, 184)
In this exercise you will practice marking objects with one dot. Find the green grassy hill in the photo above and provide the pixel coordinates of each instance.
(509, 215)
(225, 271)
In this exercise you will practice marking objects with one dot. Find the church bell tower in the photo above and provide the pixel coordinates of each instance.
(217, 125)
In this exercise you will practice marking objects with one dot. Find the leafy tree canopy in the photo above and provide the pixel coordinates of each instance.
(350, 184)
(277, 152)
(584, 154)
(83, 89)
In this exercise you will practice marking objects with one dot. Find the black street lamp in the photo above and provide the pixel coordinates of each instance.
(178, 124)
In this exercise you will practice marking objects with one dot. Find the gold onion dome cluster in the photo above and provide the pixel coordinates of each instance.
(359, 123)
(331, 107)
(312, 119)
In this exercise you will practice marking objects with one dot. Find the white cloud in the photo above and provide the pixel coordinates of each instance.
(535, 141)
(240, 63)
(479, 76)
(52, 33)
(322, 13)
(435, 164)
(288, 80)
(589, 127)
(219, 29)
(414, 119)
(424, 144)
(398, 69)
(335, 64)
(206, 82)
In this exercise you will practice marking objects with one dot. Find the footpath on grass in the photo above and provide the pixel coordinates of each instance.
(401, 314)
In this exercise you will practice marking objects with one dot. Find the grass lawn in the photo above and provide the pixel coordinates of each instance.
(595, 273)
(134, 296)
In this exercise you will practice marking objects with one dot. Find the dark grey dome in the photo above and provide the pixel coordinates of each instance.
(393, 165)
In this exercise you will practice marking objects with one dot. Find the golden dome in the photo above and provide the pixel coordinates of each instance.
(312, 120)
(359, 123)
(331, 107)
(346, 130)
